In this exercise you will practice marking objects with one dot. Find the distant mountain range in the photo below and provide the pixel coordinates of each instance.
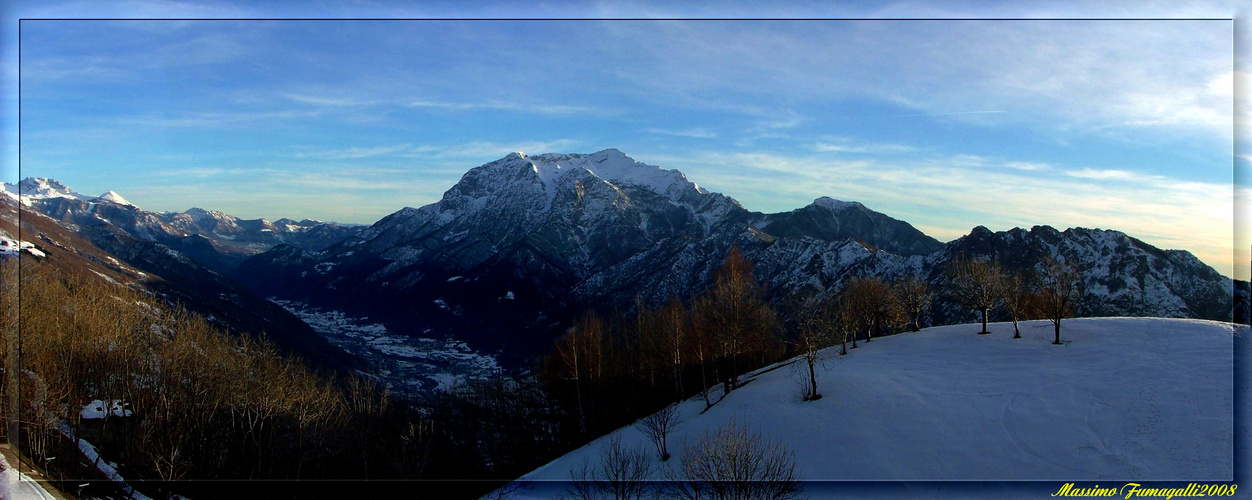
(218, 241)
(521, 244)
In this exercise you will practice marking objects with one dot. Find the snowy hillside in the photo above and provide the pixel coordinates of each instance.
(1123, 399)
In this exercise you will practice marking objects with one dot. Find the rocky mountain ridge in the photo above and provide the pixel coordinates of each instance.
(215, 239)
(519, 245)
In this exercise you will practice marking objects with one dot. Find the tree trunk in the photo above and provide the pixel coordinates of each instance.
(677, 360)
(678, 381)
(1017, 334)
(1057, 325)
(582, 416)
(984, 323)
(704, 380)
(812, 381)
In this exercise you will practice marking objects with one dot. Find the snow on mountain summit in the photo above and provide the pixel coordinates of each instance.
(38, 188)
(42, 188)
(579, 213)
(834, 204)
(610, 165)
(113, 197)
(519, 193)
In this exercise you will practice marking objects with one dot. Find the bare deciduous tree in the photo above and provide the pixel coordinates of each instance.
(580, 354)
(1017, 297)
(813, 324)
(867, 303)
(915, 296)
(890, 314)
(740, 320)
(701, 348)
(621, 474)
(845, 321)
(732, 462)
(657, 427)
(976, 284)
(1059, 287)
(674, 324)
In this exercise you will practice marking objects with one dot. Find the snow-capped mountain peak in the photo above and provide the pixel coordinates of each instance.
(613, 166)
(35, 188)
(43, 186)
(38, 188)
(610, 165)
(113, 197)
(521, 191)
(833, 204)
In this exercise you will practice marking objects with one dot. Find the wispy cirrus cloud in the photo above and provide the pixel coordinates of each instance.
(845, 145)
(522, 104)
(207, 172)
(1081, 75)
(1028, 166)
(141, 50)
(1103, 174)
(491, 150)
(947, 113)
(354, 153)
(695, 133)
(555, 109)
(210, 119)
(358, 181)
(317, 100)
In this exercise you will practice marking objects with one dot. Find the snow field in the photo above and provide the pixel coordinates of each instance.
(1124, 399)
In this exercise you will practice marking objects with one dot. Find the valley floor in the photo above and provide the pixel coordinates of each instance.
(412, 367)
(1124, 399)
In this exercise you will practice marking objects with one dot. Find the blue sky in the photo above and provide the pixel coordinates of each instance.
(946, 124)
